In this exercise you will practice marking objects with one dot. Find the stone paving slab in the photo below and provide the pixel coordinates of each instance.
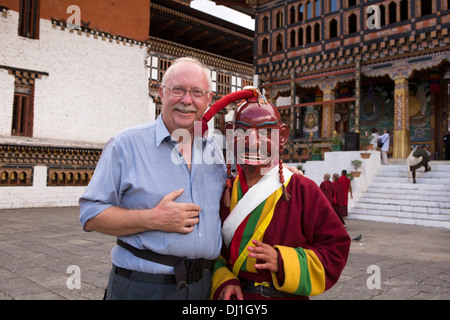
(37, 246)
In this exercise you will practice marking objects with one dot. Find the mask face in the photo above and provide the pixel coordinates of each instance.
(258, 135)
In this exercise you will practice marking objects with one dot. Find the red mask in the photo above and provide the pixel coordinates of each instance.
(258, 134)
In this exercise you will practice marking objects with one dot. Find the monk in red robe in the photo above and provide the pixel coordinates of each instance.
(282, 239)
(347, 187)
(327, 188)
(338, 198)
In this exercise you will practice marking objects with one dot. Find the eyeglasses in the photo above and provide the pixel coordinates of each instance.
(180, 92)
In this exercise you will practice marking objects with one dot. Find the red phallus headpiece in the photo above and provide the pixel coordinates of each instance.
(246, 93)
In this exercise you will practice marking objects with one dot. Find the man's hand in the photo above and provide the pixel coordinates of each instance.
(231, 292)
(167, 216)
(171, 216)
(266, 253)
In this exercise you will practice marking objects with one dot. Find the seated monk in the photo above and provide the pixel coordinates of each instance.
(282, 239)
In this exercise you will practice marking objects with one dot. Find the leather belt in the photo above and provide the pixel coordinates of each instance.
(187, 271)
(267, 290)
(145, 277)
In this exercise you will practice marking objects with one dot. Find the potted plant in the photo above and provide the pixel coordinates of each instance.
(356, 164)
(336, 142)
(316, 155)
(365, 142)
(300, 167)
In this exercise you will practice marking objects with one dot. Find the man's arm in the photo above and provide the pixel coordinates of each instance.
(167, 216)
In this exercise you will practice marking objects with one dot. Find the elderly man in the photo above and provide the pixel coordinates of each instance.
(161, 205)
(282, 239)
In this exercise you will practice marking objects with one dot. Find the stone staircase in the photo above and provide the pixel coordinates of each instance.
(392, 198)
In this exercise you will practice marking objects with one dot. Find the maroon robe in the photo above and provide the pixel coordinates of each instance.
(338, 200)
(327, 189)
(345, 182)
(307, 220)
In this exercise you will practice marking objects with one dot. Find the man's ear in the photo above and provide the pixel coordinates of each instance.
(284, 134)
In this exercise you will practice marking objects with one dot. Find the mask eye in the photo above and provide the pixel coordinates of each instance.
(265, 132)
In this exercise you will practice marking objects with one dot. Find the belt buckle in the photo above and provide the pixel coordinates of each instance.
(181, 285)
(261, 290)
(187, 264)
(194, 276)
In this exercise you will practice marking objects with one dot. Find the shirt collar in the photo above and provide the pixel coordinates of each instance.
(161, 131)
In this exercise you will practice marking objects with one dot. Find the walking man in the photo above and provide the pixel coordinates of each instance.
(384, 139)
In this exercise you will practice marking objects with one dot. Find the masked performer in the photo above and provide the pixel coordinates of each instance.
(282, 239)
(418, 158)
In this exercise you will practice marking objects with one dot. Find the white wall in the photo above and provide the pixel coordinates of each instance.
(335, 162)
(95, 87)
(6, 98)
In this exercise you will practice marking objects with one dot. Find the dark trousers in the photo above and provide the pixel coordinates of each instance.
(146, 286)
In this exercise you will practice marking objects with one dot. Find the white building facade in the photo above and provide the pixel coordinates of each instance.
(62, 97)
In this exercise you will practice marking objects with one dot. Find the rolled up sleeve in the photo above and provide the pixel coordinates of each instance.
(104, 189)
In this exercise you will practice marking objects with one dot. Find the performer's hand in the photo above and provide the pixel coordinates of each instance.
(231, 292)
(294, 170)
(266, 253)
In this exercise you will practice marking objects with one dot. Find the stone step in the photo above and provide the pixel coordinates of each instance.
(403, 174)
(401, 215)
(403, 162)
(402, 167)
(405, 194)
(401, 220)
(422, 180)
(382, 207)
(406, 204)
(392, 197)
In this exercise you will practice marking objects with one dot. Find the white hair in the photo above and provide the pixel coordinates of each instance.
(179, 61)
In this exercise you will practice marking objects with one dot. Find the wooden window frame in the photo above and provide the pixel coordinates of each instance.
(29, 19)
(223, 83)
(23, 111)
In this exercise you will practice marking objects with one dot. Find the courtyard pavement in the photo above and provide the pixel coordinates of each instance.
(43, 251)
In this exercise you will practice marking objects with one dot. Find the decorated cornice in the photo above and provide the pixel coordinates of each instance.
(327, 83)
(396, 69)
(210, 59)
(98, 34)
(403, 68)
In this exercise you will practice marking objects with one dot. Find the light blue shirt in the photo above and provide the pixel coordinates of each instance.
(136, 170)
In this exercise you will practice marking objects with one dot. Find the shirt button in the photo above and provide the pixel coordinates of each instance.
(199, 234)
